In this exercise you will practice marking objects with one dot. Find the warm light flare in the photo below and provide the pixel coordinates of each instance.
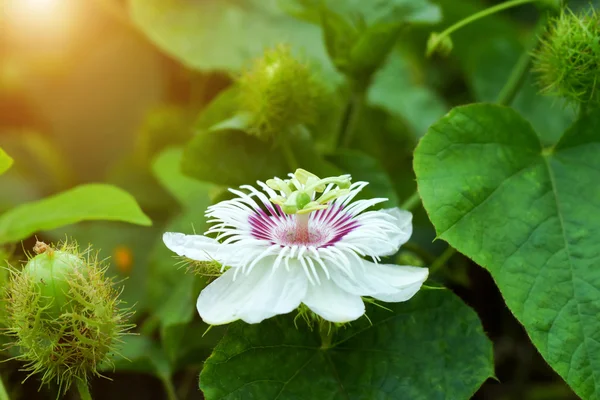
(39, 22)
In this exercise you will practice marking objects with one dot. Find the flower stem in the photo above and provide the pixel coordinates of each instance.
(169, 388)
(83, 389)
(521, 68)
(412, 202)
(356, 107)
(326, 334)
(483, 13)
(3, 392)
(442, 259)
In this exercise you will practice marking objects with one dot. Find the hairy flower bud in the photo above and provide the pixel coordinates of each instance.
(279, 92)
(568, 60)
(63, 314)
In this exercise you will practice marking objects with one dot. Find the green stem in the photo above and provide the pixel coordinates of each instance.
(442, 259)
(169, 388)
(3, 392)
(521, 68)
(412, 202)
(83, 389)
(325, 331)
(479, 15)
(357, 105)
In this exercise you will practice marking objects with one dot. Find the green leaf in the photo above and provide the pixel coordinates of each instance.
(430, 347)
(86, 202)
(5, 161)
(529, 214)
(223, 34)
(166, 169)
(398, 89)
(372, 48)
(363, 167)
(231, 157)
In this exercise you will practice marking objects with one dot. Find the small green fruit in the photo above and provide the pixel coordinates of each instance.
(51, 272)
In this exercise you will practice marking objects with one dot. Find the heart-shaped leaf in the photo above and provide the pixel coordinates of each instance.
(427, 348)
(529, 214)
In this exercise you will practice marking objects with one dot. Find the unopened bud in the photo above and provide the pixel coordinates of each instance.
(568, 60)
(279, 92)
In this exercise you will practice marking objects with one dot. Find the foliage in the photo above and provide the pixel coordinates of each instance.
(132, 124)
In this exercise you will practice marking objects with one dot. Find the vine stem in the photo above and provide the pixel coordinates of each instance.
(3, 392)
(519, 72)
(412, 202)
(483, 13)
(83, 389)
(442, 259)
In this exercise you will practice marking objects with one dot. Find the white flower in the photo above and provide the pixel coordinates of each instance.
(315, 256)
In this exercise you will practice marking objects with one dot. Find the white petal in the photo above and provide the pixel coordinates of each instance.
(385, 282)
(196, 247)
(261, 294)
(332, 303)
(403, 221)
(382, 232)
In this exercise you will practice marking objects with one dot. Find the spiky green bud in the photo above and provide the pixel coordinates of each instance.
(63, 314)
(279, 92)
(568, 60)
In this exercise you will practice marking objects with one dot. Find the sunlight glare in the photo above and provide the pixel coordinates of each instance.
(41, 21)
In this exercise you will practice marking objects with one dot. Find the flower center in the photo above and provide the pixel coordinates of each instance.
(321, 228)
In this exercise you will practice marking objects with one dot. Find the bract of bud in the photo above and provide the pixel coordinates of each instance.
(567, 62)
(437, 43)
(63, 314)
(280, 92)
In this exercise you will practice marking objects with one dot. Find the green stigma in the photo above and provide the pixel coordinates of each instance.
(304, 192)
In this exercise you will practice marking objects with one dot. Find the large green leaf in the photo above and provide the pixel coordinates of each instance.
(529, 214)
(5, 161)
(223, 34)
(86, 202)
(431, 347)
